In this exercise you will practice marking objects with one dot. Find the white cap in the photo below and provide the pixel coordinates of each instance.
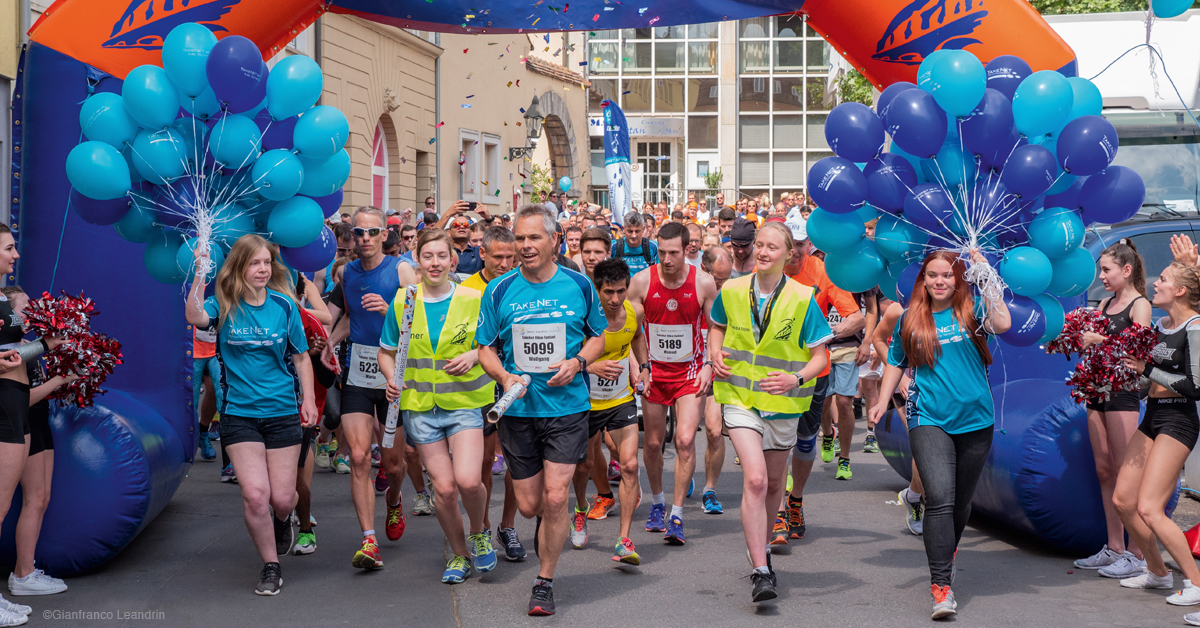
(798, 226)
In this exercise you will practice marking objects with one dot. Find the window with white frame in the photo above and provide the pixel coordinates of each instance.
(379, 168)
(469, 168)
(491, 170)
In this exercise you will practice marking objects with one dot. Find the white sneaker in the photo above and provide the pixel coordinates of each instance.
(1192, 619)
(1127, 567)
(36, 583)
(1101, 559)
(14, 608)
(9, 618)
(579, 531)
(1189, 595)
(1149, 581)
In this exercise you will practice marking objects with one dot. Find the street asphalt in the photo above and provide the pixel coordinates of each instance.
(857, 566)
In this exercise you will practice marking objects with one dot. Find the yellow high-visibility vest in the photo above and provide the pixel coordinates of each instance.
(425, 377)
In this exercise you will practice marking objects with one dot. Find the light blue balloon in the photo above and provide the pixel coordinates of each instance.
(160, 156)
(925, 70)
(228, 232)
(293, 86)
(203, 106)
(866, 213)
(103, 119)
(957, 82)
(251, 113)
(1026, 270)
(858, 269)
(1056, 232)
(278, 174)
(1055, 316)
(98, 171)
(160, 257)
(1073, 273)
(185, 55)
(834, 233)
(320, 133)
(295, 222)
(1166, 9)
(138, 225)
(916, 162)
(1087, 100)
(150, 97)
(1042, 103)
(185, 259)
(898, 241)
(127, 155)
(952, 167)
(564, 183)
(235, 141)
(324, 177)
(194, 133)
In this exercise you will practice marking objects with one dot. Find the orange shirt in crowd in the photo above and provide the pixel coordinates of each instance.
(812, 274)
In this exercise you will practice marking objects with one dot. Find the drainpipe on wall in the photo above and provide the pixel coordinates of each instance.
(317, 49)
(437, 116)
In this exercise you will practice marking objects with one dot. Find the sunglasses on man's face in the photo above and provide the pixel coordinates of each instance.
(429, 202)
(409, 237)
(370, 231)
(461, 225)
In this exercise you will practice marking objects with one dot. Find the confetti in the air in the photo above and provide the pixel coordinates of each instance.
(439, 125)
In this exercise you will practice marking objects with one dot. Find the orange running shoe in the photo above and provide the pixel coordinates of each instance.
(779, 535)
(796, 518)
(395, 521)
(367, 557)
(601, 506)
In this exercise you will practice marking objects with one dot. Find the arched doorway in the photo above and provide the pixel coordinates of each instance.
(560, 138)
(379, 168)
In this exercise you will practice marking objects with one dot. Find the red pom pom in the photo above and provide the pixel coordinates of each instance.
(1101, 370)
(89, 354)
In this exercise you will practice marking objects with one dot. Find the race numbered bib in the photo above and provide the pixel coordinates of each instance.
(536, 347)
(204, 335)
(609, 389)
(670, 343)
(364, 367)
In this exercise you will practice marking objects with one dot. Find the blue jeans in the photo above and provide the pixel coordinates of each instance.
(201, 367)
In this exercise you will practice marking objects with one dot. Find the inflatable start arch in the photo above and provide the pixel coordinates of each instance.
(119, 463)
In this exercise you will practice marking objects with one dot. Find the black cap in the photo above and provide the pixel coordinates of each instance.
(742, 233)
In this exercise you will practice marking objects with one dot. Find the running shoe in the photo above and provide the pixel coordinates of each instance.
(1127, 566)
(843, 469)
(614, 473)
(1099, 560)
(625, 553)
(207, 453)
(795, 514)
(944, 604)
(424, 505)
(9, 618)
(827, 448)
(214, 429)
(870, 444)
(674, 534)
(394, 528)
(36, 583)
(285, 535)
(691, 487)
(1192, 619)
(376, 456)
(367, 557)
(779, 535)
(601, 506)
(227, 474)
(1149, 581)
(340, 464)
(498, 465)
(306, 543)
(1189, 595)
(915, 517)
(764, 586)
(322, 459)
(381, 482)
(837, 443)
(541, 602)
(457, 570)
(270, 581)
(655, 523)
(312, 520)
(513, 550)
(579, 533)
(14, 608)
(485, 555)
(711, 505)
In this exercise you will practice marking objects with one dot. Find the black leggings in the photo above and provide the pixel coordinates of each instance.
(950, 466)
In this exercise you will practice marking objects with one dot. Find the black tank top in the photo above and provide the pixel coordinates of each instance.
(1120, 321)
(11, 327)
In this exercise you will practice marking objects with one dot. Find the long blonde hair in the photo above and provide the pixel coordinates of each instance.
(231, 279)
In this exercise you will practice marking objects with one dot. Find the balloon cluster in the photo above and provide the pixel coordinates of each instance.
(998, 158)
(209, 147)
(1101, 371)
(91, 355)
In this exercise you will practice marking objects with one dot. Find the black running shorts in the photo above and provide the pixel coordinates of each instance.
(529, 442)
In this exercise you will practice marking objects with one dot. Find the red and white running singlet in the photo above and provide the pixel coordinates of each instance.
(674, 321)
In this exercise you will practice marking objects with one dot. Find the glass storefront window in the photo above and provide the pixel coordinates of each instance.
(702, 132)
(787, 93)
(601, 90)
(788, 26)
(703, 95)
(669, 58)
(788, 132)
(789, 56)
(636, 33)
(602, 58)
(818, 95)
(636, 95)
(754, 132)
(702, 57)
(635, 57)
(788, 169)
(702, 31)
(818, 55)
(757, 27)
(668, 95)
(754, 168)
(815, 156)
(752, 94)
(816, 131)
(669, 32)
(754, 57)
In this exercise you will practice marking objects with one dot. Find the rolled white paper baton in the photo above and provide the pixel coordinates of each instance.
(507, 400)
(393, 416)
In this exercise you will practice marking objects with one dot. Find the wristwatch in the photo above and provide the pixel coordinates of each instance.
(582, 362)
(799, 379)
(644, 367)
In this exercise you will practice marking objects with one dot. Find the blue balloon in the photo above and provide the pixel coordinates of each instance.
(957, 82)
(185, 259)
(1056, 232)
(854, 132)
(330, 204)
(916, 123)
(127, 155)
(990, 196)
(1073, 273)
(1112, 196)
(99, 212)
(1005, 73)
(925, 70)
(176, 204)
(1055, 316)
(276, 134)
(1028, 321)
(1167, 9)
(295, 222)
(313, 256)
(235, 141)
(564, 183)
(1029, 171)
(294, 86)
(98, 171)
(323, 130)
(1042, 103)
(252, 99)
(160, 156)
(837, 185)
(324, 177)
(194, 133)
(989, 127)
(856, 270)
(950, 167)
(235, 225)
(885, 98)
(996, 159)
(898, 241)
(138, 224)
(1087, 145)
(1026, 270)
(150, 97)
(1069, 197)
(278, 175)
(103, 119)
(160, 257)
(204, 106)
(1087, 100)
(929, 207)
(253, 112)
(234, 69)
(912, 161)
(834, 233)
(185, 57)
(889, 178)
(906, 281)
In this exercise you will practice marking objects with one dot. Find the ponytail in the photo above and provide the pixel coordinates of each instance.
(1124, 253)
